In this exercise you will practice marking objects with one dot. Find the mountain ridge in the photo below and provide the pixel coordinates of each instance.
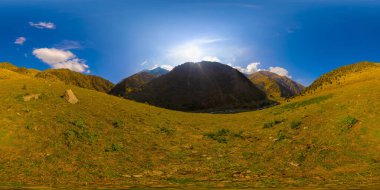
(276, 86)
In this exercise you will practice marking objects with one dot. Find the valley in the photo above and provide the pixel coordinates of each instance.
(328, 136)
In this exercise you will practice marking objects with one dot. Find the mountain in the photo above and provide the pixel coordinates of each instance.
(136, 81)
(326, 139)
(158, 71)
(78, 79)
(274, 85)
(337, 76)
(200, 86)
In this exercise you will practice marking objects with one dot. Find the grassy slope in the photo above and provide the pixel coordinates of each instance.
(79, 79)
(103, 139)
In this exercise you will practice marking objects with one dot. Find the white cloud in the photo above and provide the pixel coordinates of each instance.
(20, 40)
(58, 59)
(211, 59)
(43, 25)
(280, 71)
(254, 67)
(251, 68)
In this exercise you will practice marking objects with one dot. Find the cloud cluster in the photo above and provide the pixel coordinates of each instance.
(251, 68)
(58, 59)
(254, 67)
(43, 25)
(280, 71)
(20, 40)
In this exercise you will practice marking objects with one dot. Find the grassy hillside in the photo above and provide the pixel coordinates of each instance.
(337, 76)
(329, 138)
(276, 86)
(74, 78)
(22, 70)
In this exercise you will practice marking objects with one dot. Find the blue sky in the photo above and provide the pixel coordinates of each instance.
(116, 38)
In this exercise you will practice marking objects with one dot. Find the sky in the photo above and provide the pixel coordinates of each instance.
(301, 39)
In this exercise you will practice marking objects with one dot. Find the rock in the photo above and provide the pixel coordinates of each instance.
(157, 173)
(30, 97)
(70, 97)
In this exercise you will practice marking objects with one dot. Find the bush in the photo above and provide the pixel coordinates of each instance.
(79, 123)
(295, 124)
(349, 121)
(221, 135)
(272, 123)
(118, 123)
(114, 148)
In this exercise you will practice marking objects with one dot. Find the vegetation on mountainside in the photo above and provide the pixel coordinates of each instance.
(105, 141)
(276, 86)
(78, 79)
(131, 84)
(136, 82)
(22, 70)
(338, 75)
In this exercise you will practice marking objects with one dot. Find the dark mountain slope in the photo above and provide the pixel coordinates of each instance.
(275, 85)
(200, 86)
(136, 81)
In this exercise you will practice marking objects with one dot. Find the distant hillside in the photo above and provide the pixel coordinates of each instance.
(200, 86)
(158, 71)
(338, 75)
(136, 81)
(275, 85)
(74, 78)
(22, 70)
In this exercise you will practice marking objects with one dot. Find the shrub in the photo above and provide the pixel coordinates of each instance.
(79, 123)
(221, 135)
(349, 121)
(118, 123)
(272, 123)
(295, 124)
(114, 148)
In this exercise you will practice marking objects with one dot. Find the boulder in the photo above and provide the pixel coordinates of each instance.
(27, 98)
(70, 97)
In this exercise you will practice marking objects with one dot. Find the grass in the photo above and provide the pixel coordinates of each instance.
(118, 123)
(272, 123)
(295, 124)
(348, 123)
(222, 135)
(51, 142)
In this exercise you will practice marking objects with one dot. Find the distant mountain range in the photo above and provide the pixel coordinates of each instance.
(276, 86)
(188, 87)
(200, 86)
